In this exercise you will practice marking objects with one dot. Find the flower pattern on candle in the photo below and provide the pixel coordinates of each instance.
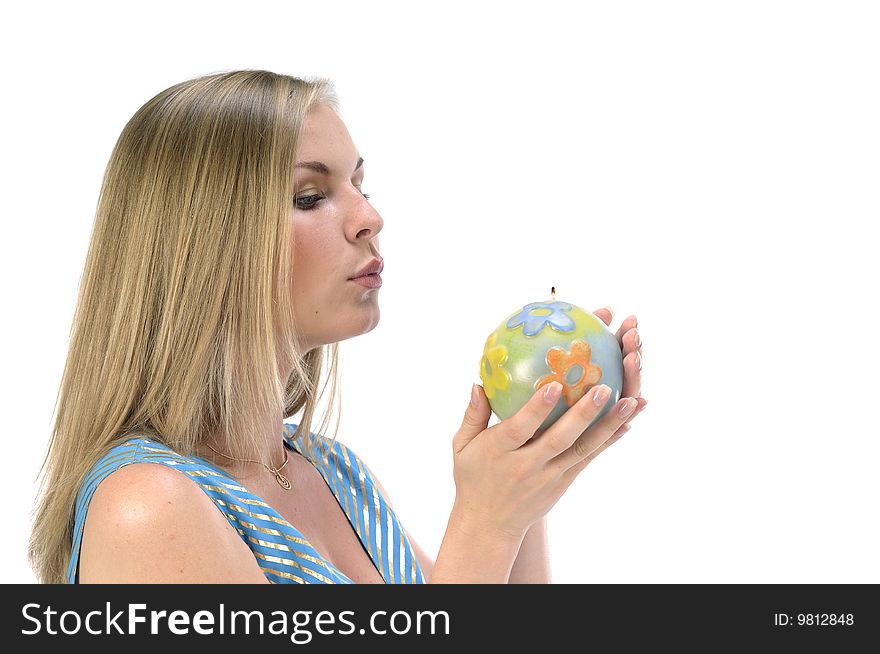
(532, 324)
(492, 372)
(561, 362)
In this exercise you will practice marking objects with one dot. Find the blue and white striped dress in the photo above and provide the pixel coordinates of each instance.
(281, 551)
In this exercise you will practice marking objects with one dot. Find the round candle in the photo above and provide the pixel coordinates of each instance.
(545, 342)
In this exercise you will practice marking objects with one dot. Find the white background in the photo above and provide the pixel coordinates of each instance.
(710, 167)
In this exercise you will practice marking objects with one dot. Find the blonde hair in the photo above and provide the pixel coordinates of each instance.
(184, 322)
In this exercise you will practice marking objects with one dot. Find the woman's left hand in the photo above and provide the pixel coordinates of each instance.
(631, 346)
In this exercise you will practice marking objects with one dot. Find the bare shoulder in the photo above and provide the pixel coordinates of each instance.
(148, 523)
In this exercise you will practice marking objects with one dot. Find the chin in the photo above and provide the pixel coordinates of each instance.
(365, 327)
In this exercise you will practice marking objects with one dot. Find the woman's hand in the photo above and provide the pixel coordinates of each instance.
(631, 346)
(511, 474)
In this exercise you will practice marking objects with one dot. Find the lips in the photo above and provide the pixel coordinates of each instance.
(375, 266)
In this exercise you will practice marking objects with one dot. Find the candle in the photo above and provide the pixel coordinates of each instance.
(549, 341)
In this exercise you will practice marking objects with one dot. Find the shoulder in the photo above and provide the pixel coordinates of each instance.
(149, 523)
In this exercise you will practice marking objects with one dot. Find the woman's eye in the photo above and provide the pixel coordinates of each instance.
(309, 202)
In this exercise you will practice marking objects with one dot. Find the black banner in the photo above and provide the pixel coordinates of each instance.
(689, 617)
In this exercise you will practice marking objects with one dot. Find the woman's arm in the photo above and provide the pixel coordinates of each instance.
(472, 554)
(530, 557)
(532, 564)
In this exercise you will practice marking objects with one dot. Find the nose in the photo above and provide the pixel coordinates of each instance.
(366, 223)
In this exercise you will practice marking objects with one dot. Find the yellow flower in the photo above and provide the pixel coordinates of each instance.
(492, 372)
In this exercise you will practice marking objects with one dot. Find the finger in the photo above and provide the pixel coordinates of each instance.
(475, 420)
(591, 439)
(572, 472)
(632, 376)
(625, 427)
(521, 426)
(625, 326)
(565, 431)
(605, 314)
(631, 341)
(642, 403)
(611, 441)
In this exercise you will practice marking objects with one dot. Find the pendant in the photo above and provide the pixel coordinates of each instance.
(282, 480)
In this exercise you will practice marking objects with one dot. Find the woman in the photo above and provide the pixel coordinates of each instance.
(221, 274)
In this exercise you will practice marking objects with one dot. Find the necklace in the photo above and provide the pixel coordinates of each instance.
(283, 481)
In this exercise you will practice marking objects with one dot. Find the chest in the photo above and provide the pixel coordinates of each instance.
(311, 507)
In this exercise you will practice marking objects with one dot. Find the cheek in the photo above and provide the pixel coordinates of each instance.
(312, 262)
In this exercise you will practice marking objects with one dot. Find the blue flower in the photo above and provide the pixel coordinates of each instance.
(532, 324)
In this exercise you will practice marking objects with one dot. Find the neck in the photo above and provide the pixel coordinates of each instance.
(275, 457)
(273, 448)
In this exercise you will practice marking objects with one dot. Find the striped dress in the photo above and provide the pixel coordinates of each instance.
(281, 551)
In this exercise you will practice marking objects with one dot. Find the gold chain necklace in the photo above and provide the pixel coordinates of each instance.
(283, 481)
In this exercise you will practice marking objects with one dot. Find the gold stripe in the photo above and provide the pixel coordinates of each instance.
(346, 493)
(163, 449)
(347, 489)
(169, 459)
(342, 496)
(363, 507)
(274, 532)
(286, 575)
(226, 492)
(294, 564)
(404, 542)
(259, 516)
(104, 467)
(325, 564)
(377, 525)
(349, 506)
(281, 546)
(393, 559)
(202, 473)
(171, 455)
(104, 464)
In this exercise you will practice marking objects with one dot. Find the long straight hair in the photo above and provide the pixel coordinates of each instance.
(184, 322)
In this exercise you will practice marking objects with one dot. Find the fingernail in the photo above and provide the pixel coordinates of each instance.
(639, 359)
(637, 340)
(611, 309)
(601, 394)
(626, 407)
(635, 322)
(474, 396)
(552, 392)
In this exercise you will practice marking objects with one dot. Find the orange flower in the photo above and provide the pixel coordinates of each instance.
(560, 362)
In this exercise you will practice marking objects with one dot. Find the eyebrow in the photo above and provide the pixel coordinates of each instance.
(320, 167)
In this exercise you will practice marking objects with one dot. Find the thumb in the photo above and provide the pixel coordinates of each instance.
(476, 419)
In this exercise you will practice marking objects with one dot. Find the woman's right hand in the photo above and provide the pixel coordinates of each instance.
(511, 474)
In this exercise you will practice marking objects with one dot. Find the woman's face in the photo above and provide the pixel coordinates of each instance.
(335, 233)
